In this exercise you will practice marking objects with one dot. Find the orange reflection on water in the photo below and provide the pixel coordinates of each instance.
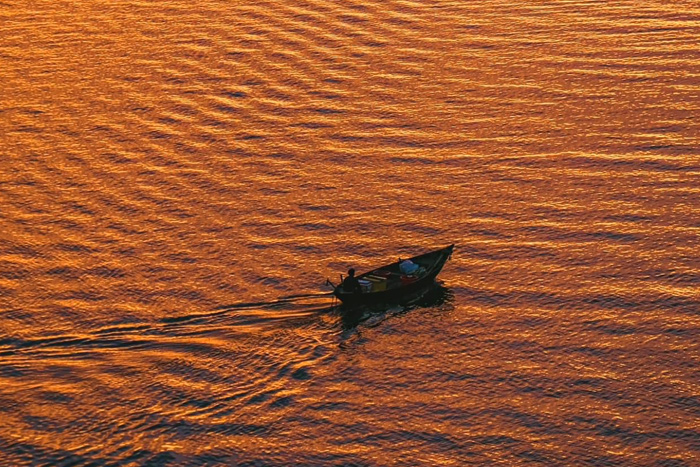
(163, 164)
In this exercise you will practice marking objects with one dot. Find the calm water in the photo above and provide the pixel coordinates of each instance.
(171, 173)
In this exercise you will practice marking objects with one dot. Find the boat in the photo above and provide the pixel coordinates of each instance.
(392, 282)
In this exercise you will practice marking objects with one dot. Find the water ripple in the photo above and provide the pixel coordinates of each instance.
(177, 183)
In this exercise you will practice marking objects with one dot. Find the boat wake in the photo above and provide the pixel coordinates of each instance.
(299, 312)
(236, 318)
(276, 303)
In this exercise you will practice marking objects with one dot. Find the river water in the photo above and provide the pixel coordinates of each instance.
(174, 174)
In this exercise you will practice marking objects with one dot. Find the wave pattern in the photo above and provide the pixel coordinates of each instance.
(161, 161)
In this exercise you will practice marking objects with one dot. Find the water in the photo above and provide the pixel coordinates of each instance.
(172, 174)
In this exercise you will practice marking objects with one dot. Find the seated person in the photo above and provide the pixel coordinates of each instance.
(351, 284)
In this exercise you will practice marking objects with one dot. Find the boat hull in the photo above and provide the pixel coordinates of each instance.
(437, 260)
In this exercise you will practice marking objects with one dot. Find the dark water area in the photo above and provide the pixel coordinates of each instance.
(177, 181)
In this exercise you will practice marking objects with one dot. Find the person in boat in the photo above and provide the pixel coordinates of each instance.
(351, 284)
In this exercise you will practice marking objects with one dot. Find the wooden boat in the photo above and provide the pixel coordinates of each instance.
(389, 284)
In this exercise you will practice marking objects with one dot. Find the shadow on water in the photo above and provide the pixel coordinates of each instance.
(434, 296)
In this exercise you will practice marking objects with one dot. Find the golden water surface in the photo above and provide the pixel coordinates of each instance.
(172, 172)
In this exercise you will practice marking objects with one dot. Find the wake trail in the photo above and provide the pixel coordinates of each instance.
(274, 303)
(140, 334)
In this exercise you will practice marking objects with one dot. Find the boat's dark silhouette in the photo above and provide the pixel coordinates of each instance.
(389, 284)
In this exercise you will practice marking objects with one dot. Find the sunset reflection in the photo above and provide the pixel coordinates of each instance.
(178, 181)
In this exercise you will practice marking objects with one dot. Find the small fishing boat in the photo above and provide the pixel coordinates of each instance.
(392, 282)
